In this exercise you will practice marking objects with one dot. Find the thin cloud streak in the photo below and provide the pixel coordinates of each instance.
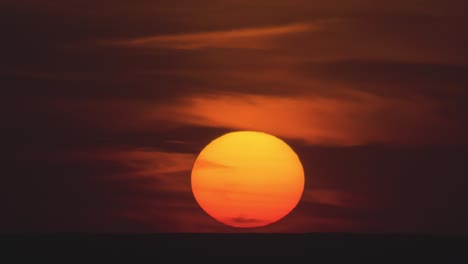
(256, 38)
(355, 118)
(141, 163)
(333, 197)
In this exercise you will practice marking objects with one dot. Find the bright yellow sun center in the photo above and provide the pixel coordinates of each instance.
(247, 179)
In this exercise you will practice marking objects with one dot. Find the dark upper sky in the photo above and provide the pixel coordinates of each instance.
(106, 105)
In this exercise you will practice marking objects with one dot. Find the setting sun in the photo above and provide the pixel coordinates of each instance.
(247, 179)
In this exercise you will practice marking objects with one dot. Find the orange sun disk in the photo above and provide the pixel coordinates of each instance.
(247, 179)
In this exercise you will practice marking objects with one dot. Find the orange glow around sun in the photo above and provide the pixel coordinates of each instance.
(247, 179)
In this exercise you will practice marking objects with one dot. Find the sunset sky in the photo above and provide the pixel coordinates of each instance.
(106, 105)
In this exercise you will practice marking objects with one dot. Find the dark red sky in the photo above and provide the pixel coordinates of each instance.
(107, 103)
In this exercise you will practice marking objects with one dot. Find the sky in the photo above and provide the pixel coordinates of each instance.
(106, 105)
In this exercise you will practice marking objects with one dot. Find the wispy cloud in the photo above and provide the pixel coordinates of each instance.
(353, 119)
(203, 164)
(332, 197)
(157, 162)
(152, 164)
(256, 38)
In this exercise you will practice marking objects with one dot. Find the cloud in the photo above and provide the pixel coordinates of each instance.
(131, 185)
(354, 118)
(337, 198)
(203, 164)
(166, 174)
(142, 162)
(256, 38)
(390, 76)
(246, 220)
(156, 162)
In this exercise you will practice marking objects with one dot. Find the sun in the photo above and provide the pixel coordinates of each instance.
(247, 179)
